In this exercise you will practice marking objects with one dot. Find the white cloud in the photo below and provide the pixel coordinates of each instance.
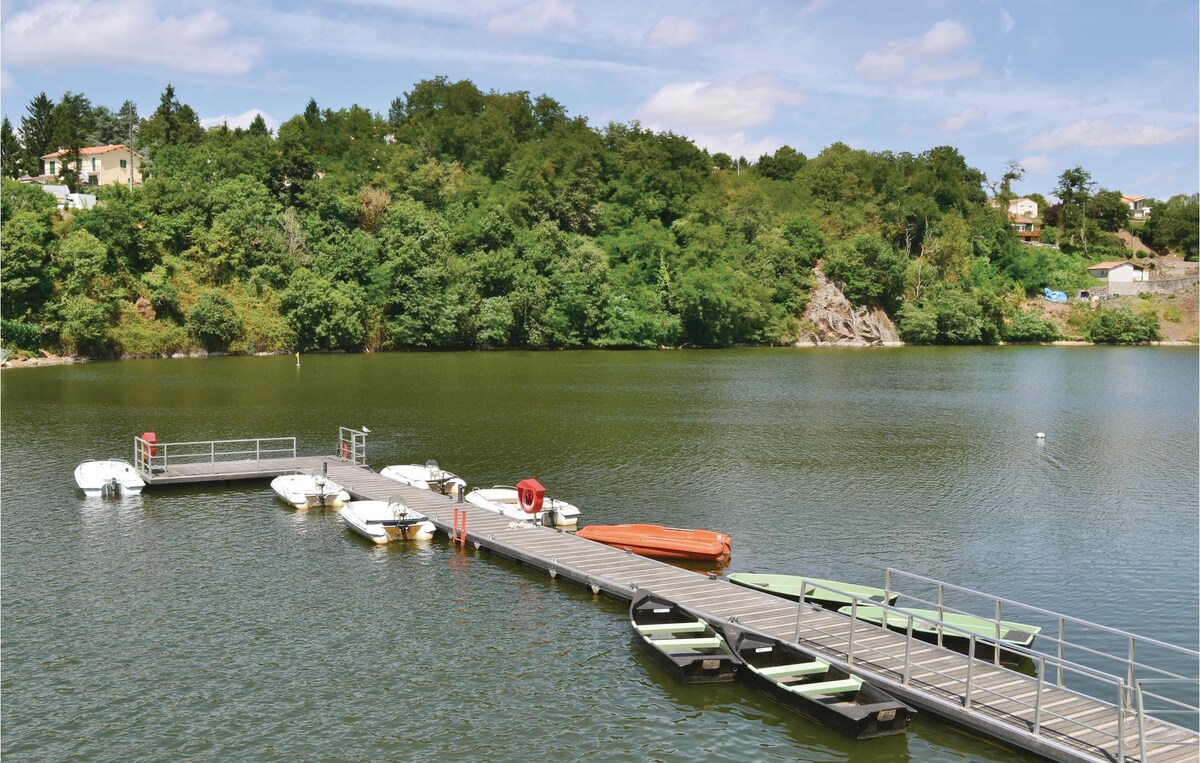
(926, 58)
(717, 107)
(533, 18)
(1109, 132)
(242, 120)
(966, 117)
(675, 32)
(1037, 163)
(64, 33)
(7, 83)
(1007, 19)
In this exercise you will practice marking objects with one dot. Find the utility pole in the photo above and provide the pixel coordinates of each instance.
(132, 112)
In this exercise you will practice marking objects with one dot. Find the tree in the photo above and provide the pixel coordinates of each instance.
(312, 113)
(73, 122)
(258, 126)
(1175, 226)
(1074, 189)
(1108, 211)
(10, 151)
(213, 322)
(37, 132)
(784, 164)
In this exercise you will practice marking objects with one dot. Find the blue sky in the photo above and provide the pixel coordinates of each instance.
(1109, 86)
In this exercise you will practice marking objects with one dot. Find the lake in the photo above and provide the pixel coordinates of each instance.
(217, 624)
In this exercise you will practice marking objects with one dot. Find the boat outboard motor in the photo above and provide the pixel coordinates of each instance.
(110, 488)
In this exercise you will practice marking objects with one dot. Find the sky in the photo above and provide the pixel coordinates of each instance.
(1108, 86)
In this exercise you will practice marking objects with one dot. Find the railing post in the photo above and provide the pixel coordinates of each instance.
(1129, 665)
(907, 649)
(1062, 635)
(1037, 700)
(853, 621)
(970, 671)
(941, 611)
(1121, 701)
(996, 651)
(1141, 722)
(800, 606)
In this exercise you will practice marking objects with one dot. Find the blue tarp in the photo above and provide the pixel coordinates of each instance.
(1054, 296)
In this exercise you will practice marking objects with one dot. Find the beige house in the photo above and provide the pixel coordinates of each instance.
(100, 165)
(1025, 227)
(1022, 208)
(1138, 209)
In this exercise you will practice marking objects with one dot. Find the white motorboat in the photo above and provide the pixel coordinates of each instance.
(309, 489)
(426, 477)
(108, 478)
(526, 501)
(386, 521)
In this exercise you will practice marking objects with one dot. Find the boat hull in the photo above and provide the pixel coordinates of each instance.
(1017, 634)
(817, 589)
(303, 491)
(868, 712)
(375, 521)
(662, 542)
(424, 478)
(694, 654)
(108, 477)
(503, 501)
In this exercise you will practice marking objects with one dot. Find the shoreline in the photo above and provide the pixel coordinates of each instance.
(70, 360)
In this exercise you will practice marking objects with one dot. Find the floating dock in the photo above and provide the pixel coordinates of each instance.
(1030, 712)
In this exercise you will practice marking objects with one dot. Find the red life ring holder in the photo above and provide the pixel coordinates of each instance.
(345, 449)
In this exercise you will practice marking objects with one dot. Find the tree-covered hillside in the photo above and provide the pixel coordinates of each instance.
(464, 219)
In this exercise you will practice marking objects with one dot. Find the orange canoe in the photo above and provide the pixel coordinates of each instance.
(662, 542)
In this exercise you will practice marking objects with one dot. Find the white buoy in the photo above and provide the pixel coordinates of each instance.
(1041, 435)
(297, 360)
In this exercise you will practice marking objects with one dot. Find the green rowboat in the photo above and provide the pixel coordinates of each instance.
(788, 586)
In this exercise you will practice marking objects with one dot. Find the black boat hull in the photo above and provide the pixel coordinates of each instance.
(867, 713)
(702, 665)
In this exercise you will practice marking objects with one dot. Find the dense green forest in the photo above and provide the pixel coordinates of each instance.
(463, 219)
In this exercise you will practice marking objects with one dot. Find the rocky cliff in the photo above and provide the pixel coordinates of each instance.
(831, 320)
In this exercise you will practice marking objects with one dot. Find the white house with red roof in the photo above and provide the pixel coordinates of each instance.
(99, 165)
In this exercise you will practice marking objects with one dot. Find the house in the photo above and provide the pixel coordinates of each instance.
(1026, 228)
(1022, 208)
(1117, 272)
(1138, 209)
(59, 192)
(100, 165)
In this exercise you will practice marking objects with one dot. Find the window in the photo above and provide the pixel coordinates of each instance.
(51, 168)
(93, 164)
(123, 164)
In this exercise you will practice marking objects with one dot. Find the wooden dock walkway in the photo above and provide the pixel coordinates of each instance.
(1022, 710)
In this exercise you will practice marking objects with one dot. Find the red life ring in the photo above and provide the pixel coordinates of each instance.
(345, 449)
(528, 501)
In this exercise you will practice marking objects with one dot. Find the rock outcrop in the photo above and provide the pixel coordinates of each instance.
(831, 320)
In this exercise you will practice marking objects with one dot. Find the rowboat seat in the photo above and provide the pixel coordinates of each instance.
(795, 669)
(649, 628)
(687, 643)
(853, 683)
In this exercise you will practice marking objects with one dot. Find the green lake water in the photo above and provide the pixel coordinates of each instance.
(216, 624)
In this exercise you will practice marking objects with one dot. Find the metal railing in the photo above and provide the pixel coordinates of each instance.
(352, 445)
(158, 457)
(1130, 692)
(1109, 650)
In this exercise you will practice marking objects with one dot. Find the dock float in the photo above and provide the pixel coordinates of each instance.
(1028, 712)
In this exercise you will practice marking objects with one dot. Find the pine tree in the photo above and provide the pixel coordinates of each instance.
(37, 133)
